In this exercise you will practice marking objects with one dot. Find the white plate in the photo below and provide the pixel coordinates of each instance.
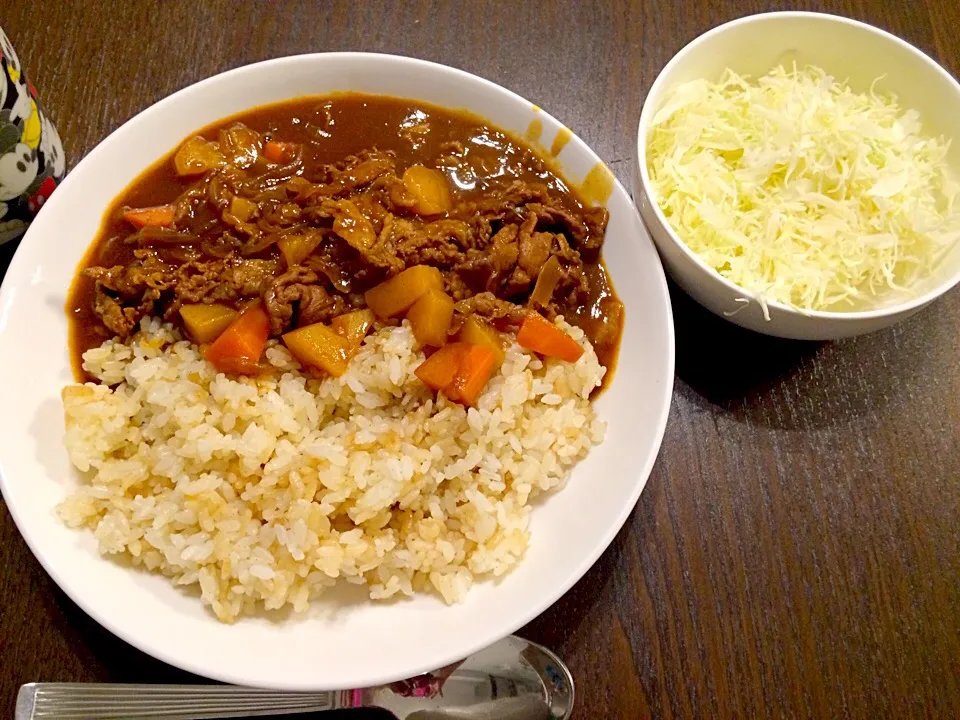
(340, 644)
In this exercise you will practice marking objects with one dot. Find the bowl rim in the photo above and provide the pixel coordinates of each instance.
(519, 619)
(646, 116)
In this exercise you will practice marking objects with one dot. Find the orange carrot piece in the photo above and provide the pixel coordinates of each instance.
(540, 335)
(159, 216)
(476, 368)
(237, 349)
(279, 152)
(475, 331)
(438, 371)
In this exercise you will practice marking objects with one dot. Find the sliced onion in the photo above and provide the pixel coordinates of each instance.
(547, 280)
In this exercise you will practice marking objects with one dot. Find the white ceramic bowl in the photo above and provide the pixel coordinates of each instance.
(848, 50)
(345, 642)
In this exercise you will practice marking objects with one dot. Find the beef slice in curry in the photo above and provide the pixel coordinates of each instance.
(306, 205)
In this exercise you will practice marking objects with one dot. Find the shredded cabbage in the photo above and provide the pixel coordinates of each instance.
(800, 190)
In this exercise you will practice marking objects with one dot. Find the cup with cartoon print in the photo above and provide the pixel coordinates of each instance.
(31, 155)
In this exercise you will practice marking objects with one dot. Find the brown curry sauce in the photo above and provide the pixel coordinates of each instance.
(331, 128)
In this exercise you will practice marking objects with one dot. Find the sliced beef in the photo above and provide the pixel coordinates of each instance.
(595, 219)
(118, 319)
(129, 280)
(122, 313)
(476, 271)
(295, 298)
(421, 249)
(456, 287)
(585, 227)
(557, 219)
(572, 286)
(534, 251)
(220, 245)
(354, 173)
(139, 288)
(120, 293)
(357, 231)
(248, 277)
(504, 253)
(455, 231)
(531, 255)
(502, 313)
(442, 243)
(221, 280)
(317, 305)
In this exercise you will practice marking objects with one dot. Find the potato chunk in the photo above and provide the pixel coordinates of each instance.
(396, 295)
(353, 326)
(320, 347)
(429, 188)
(204, 323)
(242, 209)
(296, 248)
(196, 156)
(430, 317)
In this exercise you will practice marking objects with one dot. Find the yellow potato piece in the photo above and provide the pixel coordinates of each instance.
(204, 323)
(430, 318)
(353, 326)
(475, 331)
(296, 248)
(430, 190)
(196, 156)
(396, 295)
(242, 209)
(320, 347)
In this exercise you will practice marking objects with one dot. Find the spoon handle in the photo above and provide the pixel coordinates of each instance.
(92, 701)
(513, 679)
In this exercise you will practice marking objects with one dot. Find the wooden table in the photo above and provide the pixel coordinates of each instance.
(795, 552)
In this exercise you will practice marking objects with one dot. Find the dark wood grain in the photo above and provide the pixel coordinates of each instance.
(795, 553)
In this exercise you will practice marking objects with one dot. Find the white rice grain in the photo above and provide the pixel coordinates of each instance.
(264, 492)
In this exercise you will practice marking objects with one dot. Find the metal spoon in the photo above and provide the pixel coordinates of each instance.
(513, 679)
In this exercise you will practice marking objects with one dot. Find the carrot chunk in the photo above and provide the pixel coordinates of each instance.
(279, 152)
(237, 349)
(439, 370)
(476, 368)
(475, 331)
(540, 335)
(159, 216)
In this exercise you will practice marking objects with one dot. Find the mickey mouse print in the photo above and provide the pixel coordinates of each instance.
(31, 154)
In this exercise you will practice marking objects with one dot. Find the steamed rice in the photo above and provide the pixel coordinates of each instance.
(265, 491)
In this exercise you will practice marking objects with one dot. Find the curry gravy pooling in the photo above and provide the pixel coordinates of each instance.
(475, 157)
